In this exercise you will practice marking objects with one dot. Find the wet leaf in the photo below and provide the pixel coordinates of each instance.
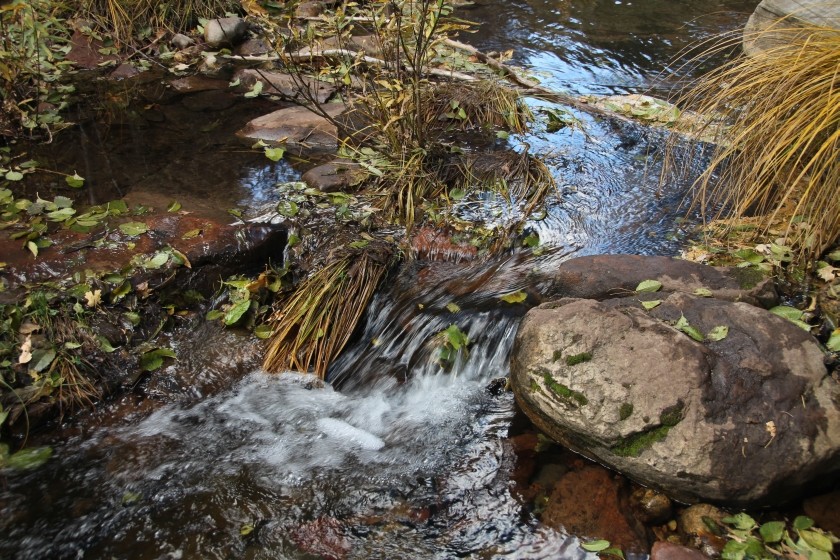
(532, 240)
(14, 175)
(817, 540)
(595, 546)
(792, 314)
(105, 344)
(133, 229)
(29, 458)
(649, 286)
(502, 134)
(131, 498)
(153, 359)
(256, 89)
(60, 215)
(63, 202)
(455, 337)
(749, 256)
(274, 154)
(612, 551)
(457, 194)
(361, 244)
(214, 314)
(703, 292)
(453, 307)
(718, 333)
(834, 256)
(287, 208)
(263, 331)
(827, 273)
(246, 530)
(75, 181)
(237, 311)
(802, 522)
(191, 234)
(158, 260)
(772, 531)
(43, 359)
(648, 305)
(514, 297)
(174, 206)
(236, 212)
(33, 248)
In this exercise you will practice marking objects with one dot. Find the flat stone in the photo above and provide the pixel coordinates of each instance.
(284, 85)
(197, 83)
(296, 128)
(181, 41)
(664, 550)
(254, 46)
(123, 72)
(337, 175)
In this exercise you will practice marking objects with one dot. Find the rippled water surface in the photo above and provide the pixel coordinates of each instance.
(404, 459)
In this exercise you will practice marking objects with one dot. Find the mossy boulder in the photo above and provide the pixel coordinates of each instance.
(747, 415)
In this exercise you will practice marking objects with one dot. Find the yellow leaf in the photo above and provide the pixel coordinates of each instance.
(93, 298)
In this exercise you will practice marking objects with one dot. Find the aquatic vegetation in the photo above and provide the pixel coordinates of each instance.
(777, 114)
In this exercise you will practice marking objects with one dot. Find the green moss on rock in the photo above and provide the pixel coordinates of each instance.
(747, 277)
(574, 398)
(578, 358)
(624, 411)
(634, 445)
(672, 415)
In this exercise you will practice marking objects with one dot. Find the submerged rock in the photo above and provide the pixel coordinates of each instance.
(337, 175)
(289, 87)
(664, 550)
(747, 416)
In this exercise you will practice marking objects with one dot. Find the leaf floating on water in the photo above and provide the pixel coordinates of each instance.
(131, 498)
(514, 297)
(453, 307)
(134, 229)
(153, 359)
(718, 333)
(595, 546)
(649, 286)
(455, 337)
(274, 154)
(648, 305)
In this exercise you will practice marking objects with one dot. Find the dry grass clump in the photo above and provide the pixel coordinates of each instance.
(777, 115)
(315, 322)
(126, 20)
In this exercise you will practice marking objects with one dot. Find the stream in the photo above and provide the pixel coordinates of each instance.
(395, 457)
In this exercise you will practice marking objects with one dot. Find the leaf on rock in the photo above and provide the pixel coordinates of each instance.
(648, 305)
(703, 292)
(772, 531)
(514, 297)
(134, 229)
(237, 311)
(718, 333)
(274, 154)
(683, 326)
(649, 286)
(595, 546)
(153, 359)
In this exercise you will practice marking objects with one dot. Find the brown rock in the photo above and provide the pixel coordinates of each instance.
(309, 9)
(337, 175)
(664, 550)
(123, 72)
(209, 101)
(586, 503)
(296, 127)
(84, 52)
(825, 511)
(254, 46)
(649, 506)
(696, 524)
(195, 84)
(284, 85)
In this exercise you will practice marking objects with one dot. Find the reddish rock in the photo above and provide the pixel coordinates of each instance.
(195, 84)
(84, 52)
(825, 511)
(322, 538)
(123, 72)
(587, 503)
(663, 550)
(436, 245)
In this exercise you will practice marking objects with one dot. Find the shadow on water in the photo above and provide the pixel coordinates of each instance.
(408, 459)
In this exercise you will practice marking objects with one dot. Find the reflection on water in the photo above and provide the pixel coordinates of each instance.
(602, 46)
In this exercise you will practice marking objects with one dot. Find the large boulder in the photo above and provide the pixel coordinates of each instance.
(773, 20)
(297, 128)
(746, 416)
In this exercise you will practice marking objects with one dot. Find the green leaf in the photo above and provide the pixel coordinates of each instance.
(649, 286)
(287, 208)
(817, 540)
(802, 522)
(718, 333)
(502, 134)
(682, 325)
(749, 256)
(453, 307)
(237, 311)
(455, 337)
(131, 498)
(158, 260)
(174, 206)
(833, 343)
(772, 531)
(360, 244)
(263, 331)
(28, 458)
(740, 521)
(648, 305)
(833, 256)
(256, 89)
(457, 194)
(153, 359)
(595, 546)
(612, 551)
(63, 202)
(246, 530)
(60, 215)
(792, 314)
(191, 234)
(33, 248)
(214, 314)
(75, 181)
(43, 359)
(14, 176)
(105, 344)
(274, 154)
(514, 297)
(703, 292)
(134, 228)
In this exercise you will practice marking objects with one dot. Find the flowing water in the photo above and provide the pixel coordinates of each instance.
(405, 459)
